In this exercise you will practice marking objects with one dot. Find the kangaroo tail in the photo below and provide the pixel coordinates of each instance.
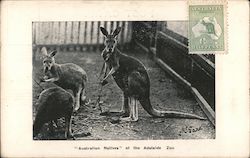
(146, 104)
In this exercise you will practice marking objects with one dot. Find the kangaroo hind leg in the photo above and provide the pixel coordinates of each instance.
(133, 111)
(77, 99)
(68, 130)
(84, 100)
(125, 107)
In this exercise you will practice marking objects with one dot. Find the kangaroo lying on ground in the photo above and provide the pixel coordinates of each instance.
(132, 78)
(67, 76)
(54, 103)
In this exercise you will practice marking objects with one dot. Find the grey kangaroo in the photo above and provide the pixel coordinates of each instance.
(67, 76)
(132, 78)
(54, 103)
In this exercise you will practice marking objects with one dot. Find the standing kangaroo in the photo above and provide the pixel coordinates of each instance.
(67, 76)
(132, 78)
(54, 103)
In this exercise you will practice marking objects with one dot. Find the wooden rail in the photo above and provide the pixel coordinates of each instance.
(194, 68)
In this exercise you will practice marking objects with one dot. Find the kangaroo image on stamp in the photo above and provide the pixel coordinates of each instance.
(207, 27)
(120, 80)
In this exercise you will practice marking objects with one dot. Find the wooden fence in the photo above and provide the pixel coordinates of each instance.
(59, 33)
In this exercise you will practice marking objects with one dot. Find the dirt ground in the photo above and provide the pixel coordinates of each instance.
(165, 95)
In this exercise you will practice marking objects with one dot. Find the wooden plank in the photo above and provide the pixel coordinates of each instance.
(129, 32)
(101, 37)
(57, 35)
(34, 33)
(42, 33)
(50, 33)
(68, 32)
(108, 24)
(91, 32)
(98, 32)
(78, 33)
(62, 32)
(202, 102)
(142, 46)
(65, 33)
(125, 32)
(205, 64)
(119, 24)
(46, 30)
(81, 32)
(204, 105)
(85, 32)
(175, 75)
(54, 33)
(71, 32)
(88, 33)
(122, 33)
(38, 37)
(111, 27)
(95, 33)
(75, 32)
(174, 42)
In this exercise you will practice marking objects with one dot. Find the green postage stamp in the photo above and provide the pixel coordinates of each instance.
(207, 27)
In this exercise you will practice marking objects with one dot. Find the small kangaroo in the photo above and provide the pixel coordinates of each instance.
(67, 76)
(54, 103)
(132, 78)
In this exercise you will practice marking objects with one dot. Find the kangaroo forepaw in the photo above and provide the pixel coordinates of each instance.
(104, 82)
(85, 102)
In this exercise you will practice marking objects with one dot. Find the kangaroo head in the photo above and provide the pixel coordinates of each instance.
(110, 42)
(48, 59)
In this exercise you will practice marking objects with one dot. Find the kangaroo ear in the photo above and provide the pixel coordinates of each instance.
(53, 53)
(44, 51)
(104, 31)
(117, 31)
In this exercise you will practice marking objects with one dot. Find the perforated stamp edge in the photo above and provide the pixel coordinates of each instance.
(224, 3)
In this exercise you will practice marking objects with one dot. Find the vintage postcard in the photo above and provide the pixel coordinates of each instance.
(124, 79)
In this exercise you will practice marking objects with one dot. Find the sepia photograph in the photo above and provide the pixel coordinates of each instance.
(120, 80)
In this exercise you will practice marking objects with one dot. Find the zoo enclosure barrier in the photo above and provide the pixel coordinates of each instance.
(76, 35)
